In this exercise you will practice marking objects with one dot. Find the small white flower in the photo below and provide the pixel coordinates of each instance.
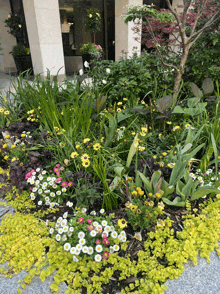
(98, 248)
(59, 220)
(32, 194)
(81, 235)
(43, 172)
(83, 210)
(64, 222)
(64, 238)
(73, 250)
(60, 231)
(58, 237)
(82, 241)
(99, 228)
(108, 70)
(104, 82)
(51, 230)
(93, 212)
(212, 179)
(58, 193)
(95, 224)
(32, 197)
(104, 223)
(63, 190)
(47, 191)
(38, 169)
(77, 251)
(86, 64)
(52, 194)
(65, 229)
(39, 202)
(49, 179)
(114, 234)
(90, 250)
(71, 229)
(47, 199)
(51, 183)
(98, 258)
(54, 186)
(108, 229)
(111, 249)
(93, 233)
(85, 249)
(79, 247)
(40, 191)
(102, 210)
(81, 72)
(123, 234)
(116, 247)
(34, 189)
(53, 179)
(34, 173)
(123, 239)
(70, 204)
(37, 182)
(65, 214)
(40, 177)
(75, 259)
(66, 246)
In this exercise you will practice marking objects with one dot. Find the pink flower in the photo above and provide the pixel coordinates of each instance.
(80, 220)
(62, 168)
(70, 184)
(56, 170)
(99, 231)
(89, 221)
(104, 235)
(192, 24)
(64, 184)
(105, 254)
(126, 84)
(91, 227)
(31, 188)
(205, 174)
(57, 165)
(105, 241)
(98, 242)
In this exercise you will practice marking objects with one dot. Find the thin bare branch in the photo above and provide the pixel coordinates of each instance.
(185, 10)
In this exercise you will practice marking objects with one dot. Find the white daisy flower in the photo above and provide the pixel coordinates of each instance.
(59, 220)
(85, 249)
(65, 229)
(82, 241)
(98, 248)
(108, 229)
(52, 194)
(111, 249)
(90, 250)
(34, 189)
(73, 250)
(58, 193)
(40, 177)
(32, 197)
(39, 202)
(104, 223)
(79, 247)
(98, 258)
(60, 231)
(123, 239)
(83, 210)
(47, 199)
(81, 72)
(116, 247)
(37, 182)
(47, 191)
(64, 222)
(57, 237)
(123, 234)
(49, 179)
(71, 229)
(75, 259)
(54, 186)
(99, 228)
(86, 64)
(93, 233)
(33, 173)
(40, 191)
(65, 214)
(43, 172)
(51, 183)
(81, 235)
(102, 210)
(66, 246)
(63, 190)
(69, 234)
(108, 70)
(37, 170)
(114, 234)
(93, 212)
(45, 184)
(32, 194)
(51, 230)
(70, 204)
(104, 82)
(53, 179)
(77, 252)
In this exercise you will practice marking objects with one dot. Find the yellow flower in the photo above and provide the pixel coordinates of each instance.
(158, 196)
(122, 223)
(86, 163)
(150, 194)
(125, 99)
(21, 164)
(62, 144)
(154, 157)
(143, 134)
(138, 211)
(77, 146)
(171, 165)
(133, 133)
(85, 157)
(102, 139)
(13, 146)
(160, 224)
(176, 128)
(151, 204)
(169, 122)
(96, 146)
(140, 192)
(23, 135)
(119, 103)
(161, 164)
(187, 125)
(90, 16)
(7, 136)
(59, 133)
(6, 157)
(134, 193)
(160, 135)
(164, 153)
(74, 154)
(5, 146)
(144, 129)
(6, 112)
(128, 204)
(133, 207)
(86, 140)
(141, 148)
(118, 110)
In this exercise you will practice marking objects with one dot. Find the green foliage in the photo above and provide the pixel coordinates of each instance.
(20, 50)
(93, 20)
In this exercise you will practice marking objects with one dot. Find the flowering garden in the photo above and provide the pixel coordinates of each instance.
(115, 185)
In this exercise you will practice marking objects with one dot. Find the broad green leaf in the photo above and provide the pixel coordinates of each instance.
(164, 103)
(176, 202)
(155, 178)
(121, 116)
(132, 151)
(146, 182)
(193, 101)
(208, 86)
(186, 148)
(196, 91)
(178, 109)
(202, 191)
(100, 103)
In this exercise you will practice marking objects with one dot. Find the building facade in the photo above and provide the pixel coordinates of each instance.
(55, 32)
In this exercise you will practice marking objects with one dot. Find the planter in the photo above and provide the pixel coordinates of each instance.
(23, 63)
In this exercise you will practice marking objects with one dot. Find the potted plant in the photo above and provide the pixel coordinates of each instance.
(20, 52)
(91, 53)
(93, 21)
(22, 58)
